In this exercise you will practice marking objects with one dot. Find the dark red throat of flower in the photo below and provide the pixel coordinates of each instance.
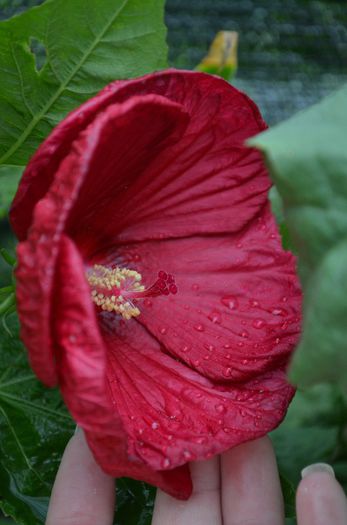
(116, 289)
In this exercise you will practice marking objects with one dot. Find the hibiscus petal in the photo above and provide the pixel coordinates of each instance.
(79, 349)
(206, 182)
(236, 313)
(37, 256)
(172, 414)
(202, 95)
(111, 454)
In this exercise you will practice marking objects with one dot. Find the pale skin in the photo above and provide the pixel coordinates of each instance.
(240, 487)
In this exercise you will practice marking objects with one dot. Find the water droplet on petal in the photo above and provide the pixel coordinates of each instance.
(196, 363)
(258, 323)
(207, 357)
(147, 302)
(226, 345)
(279, 311)
(187, 455)
(185, 348)
(199, 327)
(230, 302)
(244, 361)
(163, 330)
(200, 440)
(228, 372)
(220, 408)
(166, 463)
(254, 303)
(240, 344)
(215, 317)
(195, 287)
(244, 334)
(155, 425)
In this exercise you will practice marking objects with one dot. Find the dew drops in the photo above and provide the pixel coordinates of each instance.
(155, 425)
(254, 303)
(196, 363)
(227, 430)
(228, 372)
(279, 311)
(207, 357)
(187, 455)
(226, 346)
(137, 257)
(240, 344)
(185, 348)
(211, 348)
(166, 463)
(277, 340)
(163, 330)
(230, 302)
(244, 361)
(199, 327)
(258, 323)
(215, 317)
(244, 334)
(200, 440)
(147, 302)
(243, 413)
(195, 287)
(220, 408)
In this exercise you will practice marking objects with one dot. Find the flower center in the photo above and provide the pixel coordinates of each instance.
(116, 289)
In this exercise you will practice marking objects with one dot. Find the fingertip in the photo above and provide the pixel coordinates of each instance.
(82, 492)
(320, 498)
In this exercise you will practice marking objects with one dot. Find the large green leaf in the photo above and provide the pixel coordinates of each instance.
(307, 157)
(55, 56)
(9, 177)
(34, 429)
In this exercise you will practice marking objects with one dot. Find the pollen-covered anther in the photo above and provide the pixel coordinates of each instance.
(115, 289)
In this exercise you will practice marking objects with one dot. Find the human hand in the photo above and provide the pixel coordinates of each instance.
(240, 487)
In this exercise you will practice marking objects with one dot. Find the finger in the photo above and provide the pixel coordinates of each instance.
(82, 494)
(320, 499)
(203, 507)
(251, 490)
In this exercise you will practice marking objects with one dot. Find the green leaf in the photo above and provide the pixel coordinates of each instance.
(34, 429)
(307, 157)
(9, 178)
(79, 46)
(135, 502)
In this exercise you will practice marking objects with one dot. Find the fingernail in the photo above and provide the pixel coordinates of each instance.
(317, 467)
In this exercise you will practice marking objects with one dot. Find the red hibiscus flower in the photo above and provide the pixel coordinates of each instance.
(152, 286)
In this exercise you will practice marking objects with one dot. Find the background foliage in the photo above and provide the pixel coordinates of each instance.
(289, 57)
